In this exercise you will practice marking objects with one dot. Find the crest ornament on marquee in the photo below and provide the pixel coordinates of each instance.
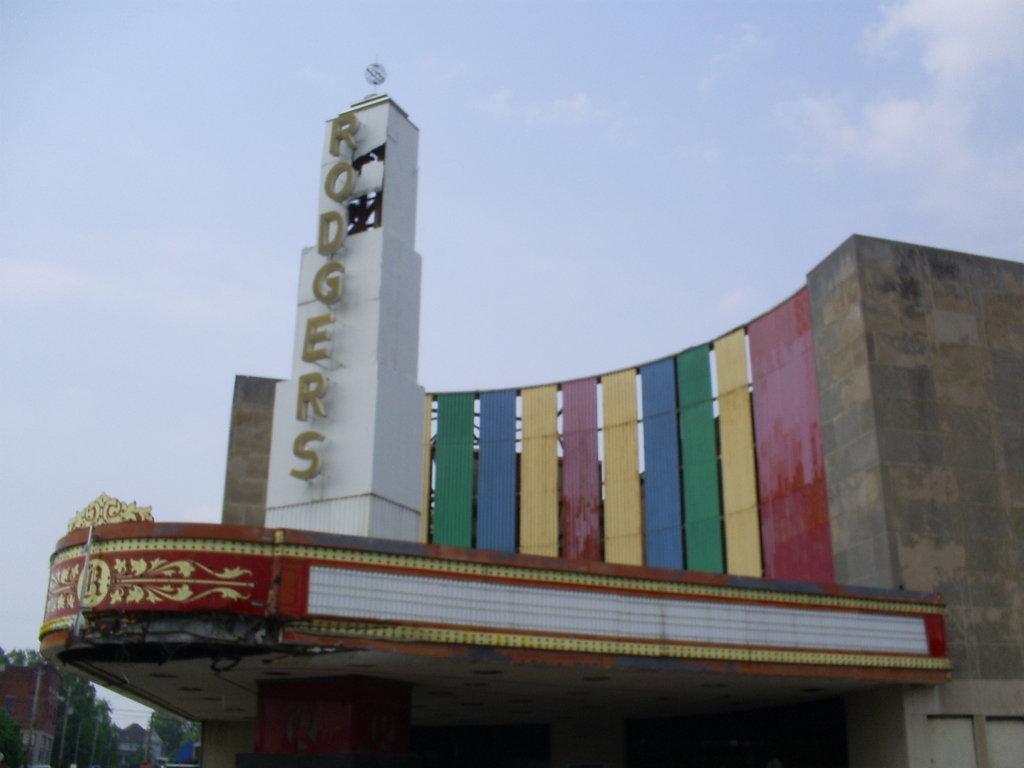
(106, 510)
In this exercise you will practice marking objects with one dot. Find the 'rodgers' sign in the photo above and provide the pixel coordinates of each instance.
(346, 452)
(347, 208)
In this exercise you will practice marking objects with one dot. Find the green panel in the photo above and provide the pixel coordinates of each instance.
(701, 505)
(453, 451)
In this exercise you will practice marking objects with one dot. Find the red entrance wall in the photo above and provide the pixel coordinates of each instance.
(333, 715)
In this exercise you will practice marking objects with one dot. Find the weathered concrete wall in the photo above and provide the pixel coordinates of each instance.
(860, 539)
(921, 369)
(245, 481)
(223, 740)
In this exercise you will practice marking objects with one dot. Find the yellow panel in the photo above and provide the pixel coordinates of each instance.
(736, 437)
(538, 487)
(623, 521)
(427, 467)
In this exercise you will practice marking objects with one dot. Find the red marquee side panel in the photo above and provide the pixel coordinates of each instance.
(790, 458)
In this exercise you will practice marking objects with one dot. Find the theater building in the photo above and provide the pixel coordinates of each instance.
(30, 695)
(798, 544)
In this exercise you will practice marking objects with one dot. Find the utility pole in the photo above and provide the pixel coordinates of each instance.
(78, 739)
(64, 728)
(32, 718)
(95, 736)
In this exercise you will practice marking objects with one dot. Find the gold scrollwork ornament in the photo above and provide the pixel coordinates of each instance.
(106, 510)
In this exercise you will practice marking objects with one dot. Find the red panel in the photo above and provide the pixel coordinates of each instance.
(348, 714)
(787, 430)
(935, 627)
(292, 580)
(161, 580)
(581, 472)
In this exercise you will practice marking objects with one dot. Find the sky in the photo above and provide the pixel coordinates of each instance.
(600, 184)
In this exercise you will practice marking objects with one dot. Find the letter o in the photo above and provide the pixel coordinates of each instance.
(331, 180)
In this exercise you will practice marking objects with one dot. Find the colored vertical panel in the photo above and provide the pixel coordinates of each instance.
(623, 519)
(663, 523)
(702, 507)
(791, 464)
(428, 464)
(581, 472)
(453, 452)
(538, 484)
(736, 443)
(496, 483)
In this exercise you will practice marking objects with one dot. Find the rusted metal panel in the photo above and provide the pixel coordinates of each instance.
(496, 485)
(453, 495)
(623, 517)
(663, 521)
(702, 509)
(790, 460)
(538, 485)
(736, 443)
(581, 472)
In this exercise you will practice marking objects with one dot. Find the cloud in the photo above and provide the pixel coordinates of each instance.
(578, 109)
(724, 61)
(171, 295)
(932, 136)
(498, 103)
(959, 38)
(699, 153)
(29, 283)
(443, 68)
(895, 134)
(738, 300)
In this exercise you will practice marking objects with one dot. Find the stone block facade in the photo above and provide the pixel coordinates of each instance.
(920, 356)
(252, 418)
(921, 367)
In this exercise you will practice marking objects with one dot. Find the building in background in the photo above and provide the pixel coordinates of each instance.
(30, 695)
(136, 744)
(801, 543)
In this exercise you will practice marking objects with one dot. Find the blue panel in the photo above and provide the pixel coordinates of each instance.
(496, 491)
(663, 527)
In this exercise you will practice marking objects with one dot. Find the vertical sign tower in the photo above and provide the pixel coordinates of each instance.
(346, 452)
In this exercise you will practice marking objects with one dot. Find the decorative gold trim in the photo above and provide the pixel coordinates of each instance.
(56, 625)
(538, 576)
(542, 577)
(616, 648)
(105, 510)
(156, 580)
(62, 591)
(213, 546)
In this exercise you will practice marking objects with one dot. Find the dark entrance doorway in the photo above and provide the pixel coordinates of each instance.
(494, 746)
(804, 736)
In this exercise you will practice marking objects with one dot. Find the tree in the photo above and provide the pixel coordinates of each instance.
(10, 741)
(86, 734)
(22, 657)
(173, 731)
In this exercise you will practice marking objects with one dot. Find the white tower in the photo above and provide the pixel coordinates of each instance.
(346, 452)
